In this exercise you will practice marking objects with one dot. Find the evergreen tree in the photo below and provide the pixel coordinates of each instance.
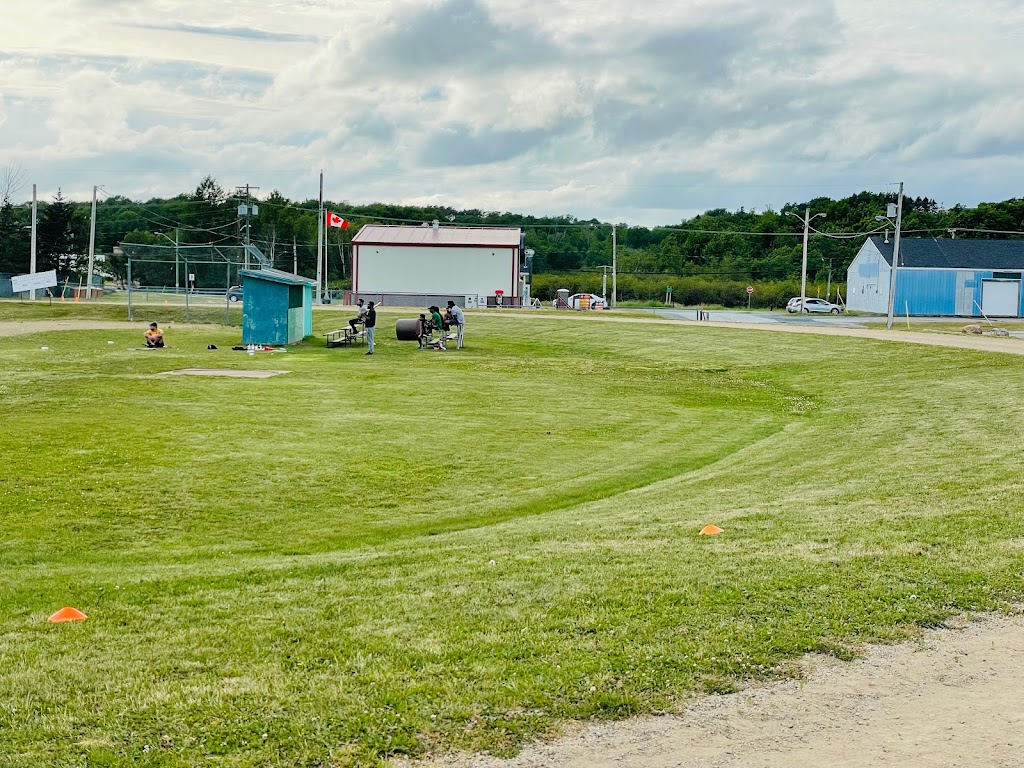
(57, 243)
(14, 244)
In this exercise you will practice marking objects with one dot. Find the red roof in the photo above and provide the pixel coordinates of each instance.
(375, 234)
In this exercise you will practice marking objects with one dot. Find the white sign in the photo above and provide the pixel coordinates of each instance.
(750, 289)
(33, 282)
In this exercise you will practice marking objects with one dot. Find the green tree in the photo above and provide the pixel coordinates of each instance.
(207, 214)
(14, 241)
(58, 247)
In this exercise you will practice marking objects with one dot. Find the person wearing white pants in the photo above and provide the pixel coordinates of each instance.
(370, 325)
(459, 319)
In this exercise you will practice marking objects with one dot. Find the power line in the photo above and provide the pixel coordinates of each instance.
(954, 230)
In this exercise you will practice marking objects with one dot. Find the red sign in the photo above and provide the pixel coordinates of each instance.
(750, 289)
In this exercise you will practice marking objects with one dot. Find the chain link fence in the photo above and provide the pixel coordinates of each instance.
(205, 278)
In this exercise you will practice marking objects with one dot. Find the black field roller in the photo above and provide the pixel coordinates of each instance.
(407, 330)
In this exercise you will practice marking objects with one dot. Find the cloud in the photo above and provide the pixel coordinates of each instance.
(458, 35)
(243, 33)
(461, 146)
(600, 108)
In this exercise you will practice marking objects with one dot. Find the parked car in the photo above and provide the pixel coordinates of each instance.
(813, 305)
(234, 293)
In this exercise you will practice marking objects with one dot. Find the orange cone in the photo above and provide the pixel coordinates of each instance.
(62, 297)
(76, 298)
(68, 614)
(710, 530)
(167, 303)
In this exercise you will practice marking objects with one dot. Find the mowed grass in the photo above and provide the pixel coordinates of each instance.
(419, 551)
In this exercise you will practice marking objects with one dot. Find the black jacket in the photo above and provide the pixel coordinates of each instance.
(371, 318)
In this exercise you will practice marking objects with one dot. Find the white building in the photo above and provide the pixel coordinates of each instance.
(867, 279)
(418, 266)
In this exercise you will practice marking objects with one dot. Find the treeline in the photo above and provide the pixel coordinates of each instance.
(713, 254)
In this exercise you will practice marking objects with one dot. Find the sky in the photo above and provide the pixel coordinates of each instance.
(643, 113)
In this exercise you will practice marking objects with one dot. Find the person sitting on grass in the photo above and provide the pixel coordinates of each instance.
(154, 336)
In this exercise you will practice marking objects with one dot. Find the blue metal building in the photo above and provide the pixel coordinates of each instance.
(277, 307)
(939, 277)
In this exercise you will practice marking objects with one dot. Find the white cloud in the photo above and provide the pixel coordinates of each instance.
(606, 108)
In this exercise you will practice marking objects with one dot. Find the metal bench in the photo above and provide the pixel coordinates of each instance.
(344, 337)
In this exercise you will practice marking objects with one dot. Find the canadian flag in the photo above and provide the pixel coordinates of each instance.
(334, 220)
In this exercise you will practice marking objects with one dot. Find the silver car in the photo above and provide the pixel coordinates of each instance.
(813, 305)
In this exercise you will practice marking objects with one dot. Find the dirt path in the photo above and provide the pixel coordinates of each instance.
(19, 327)
(933, 339)
(954, 698)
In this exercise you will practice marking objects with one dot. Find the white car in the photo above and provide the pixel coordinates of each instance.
(813, 305)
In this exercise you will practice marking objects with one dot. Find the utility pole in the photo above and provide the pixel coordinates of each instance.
(32, 256)
(803, 267)
(248, 210)
(615, 292)
(92, 246)
(320, 244)
(895, 259)
(295, 257)
(176, 276)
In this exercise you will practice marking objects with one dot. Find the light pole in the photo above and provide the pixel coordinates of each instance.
(895, 253)
(615, 270)
(92, 246)
(35, 244)
(807, 219)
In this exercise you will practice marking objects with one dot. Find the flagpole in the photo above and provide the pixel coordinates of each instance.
(320, 244)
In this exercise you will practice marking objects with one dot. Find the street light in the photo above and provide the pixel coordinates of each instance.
(895, 253)
(806, 219)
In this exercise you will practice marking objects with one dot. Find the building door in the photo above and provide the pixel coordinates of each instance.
(1000, 298)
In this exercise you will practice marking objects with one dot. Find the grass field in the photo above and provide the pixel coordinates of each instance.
(424, 551)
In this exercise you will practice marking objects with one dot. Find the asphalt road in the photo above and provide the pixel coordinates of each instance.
(782, 317)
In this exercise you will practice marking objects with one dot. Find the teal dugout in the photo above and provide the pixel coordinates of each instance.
(277, 307)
